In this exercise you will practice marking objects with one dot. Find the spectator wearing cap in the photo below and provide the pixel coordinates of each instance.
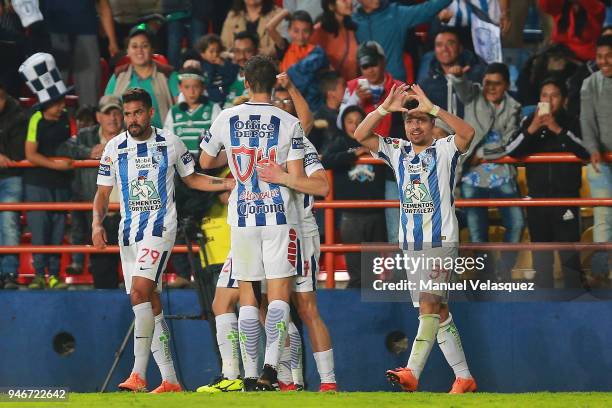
(387, 23)
(335, 33)
(596, 124)
(73, 28)
(495, 116)
(354, 181)
(245, 46)
(435, 79)
(13, 128)
(159, 80)
(367, 92)
(89, 144)
(551, 129)
(577, 24)
(250, 16)
(49, 181)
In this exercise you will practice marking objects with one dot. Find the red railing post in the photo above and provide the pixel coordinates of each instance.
(330, 268)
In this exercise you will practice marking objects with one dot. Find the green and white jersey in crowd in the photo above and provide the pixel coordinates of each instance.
(235, 90)
(189, 125)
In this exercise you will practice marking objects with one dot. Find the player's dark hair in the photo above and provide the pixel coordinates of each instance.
(328, 81)
(137, 95)
(499, 68)
(300, 15)
(260, 72)
(245, 35)
(559, 83)
(604, 41)
(206, 41)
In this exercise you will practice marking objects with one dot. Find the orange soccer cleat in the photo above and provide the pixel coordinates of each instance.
(404, 378)
(134, 383)
(463, 385)
(328, 387)
(166, 386)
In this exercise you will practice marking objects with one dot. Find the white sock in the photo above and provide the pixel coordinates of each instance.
(297, 372)
(284, 365)
(423, 342)
(450, 344)
(160, 347)
(325, 365)
(249, 333)
(143, 333)
(227, 340)
(277, 321)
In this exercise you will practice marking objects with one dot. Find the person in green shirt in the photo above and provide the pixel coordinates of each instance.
(189, 119)
(159, 80)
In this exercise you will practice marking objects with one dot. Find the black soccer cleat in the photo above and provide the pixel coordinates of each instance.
(249, 384)
(268, 380)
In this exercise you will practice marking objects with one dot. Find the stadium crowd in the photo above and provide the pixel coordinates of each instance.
(549, 90)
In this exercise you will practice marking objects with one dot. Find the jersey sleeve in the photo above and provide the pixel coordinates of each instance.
(212, 141)
(388, 148)
(448, 147)
(312, 163)
(296, 148)
(106, 168)
(184, 163)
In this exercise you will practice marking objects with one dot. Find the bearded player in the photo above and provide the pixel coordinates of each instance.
(428, 225)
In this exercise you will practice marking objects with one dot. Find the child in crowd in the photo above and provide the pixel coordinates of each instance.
(300, 59)
(49, 181)
(219, 72)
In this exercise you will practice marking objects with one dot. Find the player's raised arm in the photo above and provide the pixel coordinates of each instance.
(316, 184)
(464, 133)
(364, 133)
(100, 209)
(208, 183)
(302, 110)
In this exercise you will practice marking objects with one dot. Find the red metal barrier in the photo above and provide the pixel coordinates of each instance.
(329, 205)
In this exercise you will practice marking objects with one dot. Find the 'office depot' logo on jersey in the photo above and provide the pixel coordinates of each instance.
(253, 128)
(246, 158)
(143, 195)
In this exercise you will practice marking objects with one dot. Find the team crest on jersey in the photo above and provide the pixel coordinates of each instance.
(143, 195)
(416, 199)
(249, 158)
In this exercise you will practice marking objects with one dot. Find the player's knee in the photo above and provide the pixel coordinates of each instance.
(222, 305)
(138, 296)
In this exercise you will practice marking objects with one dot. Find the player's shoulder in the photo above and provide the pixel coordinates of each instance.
(394, 142)
(164, 135)
(444, 142)
(117, 142)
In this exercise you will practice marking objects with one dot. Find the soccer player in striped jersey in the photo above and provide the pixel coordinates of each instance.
(263, 217)
(142, 162)
(425, 168)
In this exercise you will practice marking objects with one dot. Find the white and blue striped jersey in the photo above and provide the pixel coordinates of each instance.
(253, 133)
(312, 164)
(426, 182)
(144, 174)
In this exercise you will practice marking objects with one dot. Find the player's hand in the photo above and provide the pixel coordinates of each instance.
(458, 70)
(63, 165)
(285, 81)
(425, 105)
(595, 161)
(364, 94)
(229, 184)
(98, 237)
(396, 98)
(4, 161)
(271, 172)
(96, 151)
